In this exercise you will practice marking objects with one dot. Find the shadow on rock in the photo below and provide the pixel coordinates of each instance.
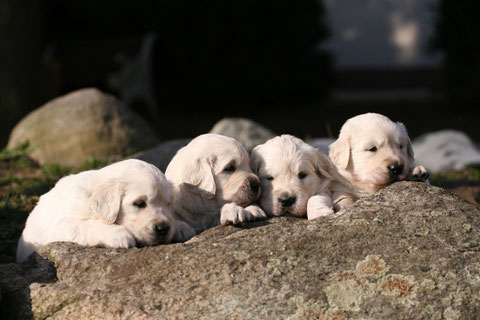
(15, 281)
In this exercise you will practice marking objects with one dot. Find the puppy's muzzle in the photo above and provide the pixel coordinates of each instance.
(254, 185)
(287, 201)
(161, 231)
(396, 169)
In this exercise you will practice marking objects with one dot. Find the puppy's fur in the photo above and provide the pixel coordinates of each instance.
(213, 183)
(372, 152)
(119, 206)
(297, 179)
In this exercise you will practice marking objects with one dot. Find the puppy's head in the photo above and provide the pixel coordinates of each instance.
(290, 172)
(136, 195)
(216, 169)
(372, 151)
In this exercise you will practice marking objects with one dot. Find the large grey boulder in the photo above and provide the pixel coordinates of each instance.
(161, 155)
(445, 150)
(410, 251)
(83, 124)
(248, 132)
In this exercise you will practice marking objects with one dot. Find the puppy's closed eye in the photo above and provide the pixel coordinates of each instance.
(302, 175)
(269, 178)
(372, 149)
(230, 168)
(141, 204)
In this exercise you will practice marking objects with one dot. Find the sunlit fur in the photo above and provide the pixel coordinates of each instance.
(366, 168)
(97, 207)
(288, 167)
(203, 186)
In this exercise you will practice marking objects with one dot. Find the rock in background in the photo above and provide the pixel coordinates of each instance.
(410, 251)
(444, 150)
(244, 130)
(83, 124)
(321, 144)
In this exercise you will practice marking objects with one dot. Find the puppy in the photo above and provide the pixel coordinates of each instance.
(297, 179)
(213, 183)
(372, 152)
(118, 206)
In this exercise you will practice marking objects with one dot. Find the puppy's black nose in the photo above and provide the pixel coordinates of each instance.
(162, 230)
(396, 169)
(287, 201)
(254, 186)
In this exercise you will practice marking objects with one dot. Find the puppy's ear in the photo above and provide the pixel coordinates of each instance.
(339, 152)
(105, 201)
(324, 168)
(254, 161)
(404, 133)
(410, 150)
(199, 178)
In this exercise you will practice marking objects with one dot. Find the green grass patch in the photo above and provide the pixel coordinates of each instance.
(454, 178)
(22, 150)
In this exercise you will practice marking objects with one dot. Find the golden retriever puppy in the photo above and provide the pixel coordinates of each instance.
(213, 185)
(118, 206)
(296, 178)
(372, 152)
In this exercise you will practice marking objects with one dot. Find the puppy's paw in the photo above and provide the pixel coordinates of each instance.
(319, 206)
(419, 173)
(183, 232)
(256, 212)
(234, 214)
(119, 237)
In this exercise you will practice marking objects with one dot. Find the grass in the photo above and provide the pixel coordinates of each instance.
(455, 178)
(22, 182)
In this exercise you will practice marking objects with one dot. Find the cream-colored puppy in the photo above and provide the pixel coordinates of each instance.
(296, 178)
(372, 152)
(213, 184)
(118, 206)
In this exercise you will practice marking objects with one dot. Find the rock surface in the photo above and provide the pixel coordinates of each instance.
(244, 130)
(410, 251)
(444, 150)
(83, 124)
(161, 155)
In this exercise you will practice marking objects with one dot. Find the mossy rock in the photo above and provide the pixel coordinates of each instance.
(83, 124)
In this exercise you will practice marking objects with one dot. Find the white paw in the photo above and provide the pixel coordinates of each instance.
(256, 212)
(233, 214)
(183, 232)
(119, 237)
(319, 206)
(419, 173)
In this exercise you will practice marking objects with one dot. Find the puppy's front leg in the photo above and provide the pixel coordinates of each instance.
(319, 206)
(96, 232)
(183, 231)
(342, 200)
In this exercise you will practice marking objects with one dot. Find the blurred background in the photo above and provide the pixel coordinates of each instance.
(297, 66)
